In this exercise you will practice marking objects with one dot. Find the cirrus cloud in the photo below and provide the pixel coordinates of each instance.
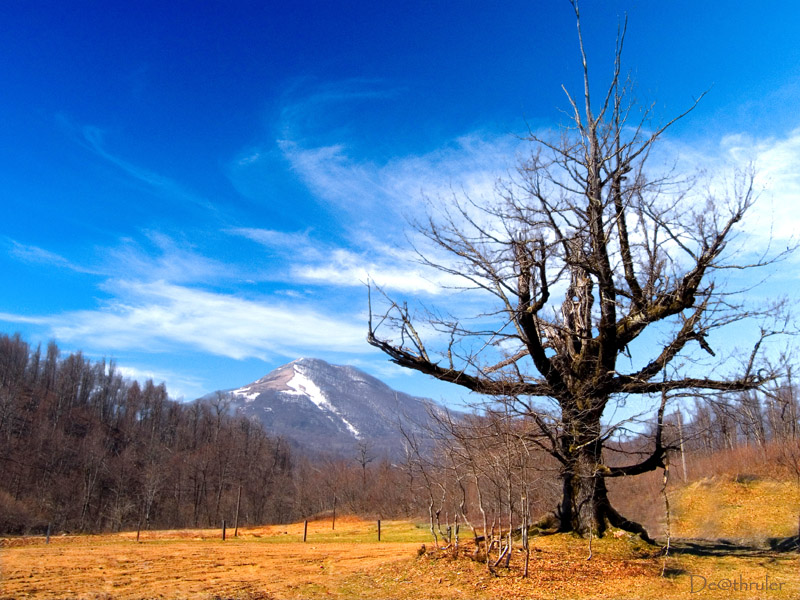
(162, 316)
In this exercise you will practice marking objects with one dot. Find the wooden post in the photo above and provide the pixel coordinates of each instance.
(305, 530)
(236, 519)
(379, 530)
(48, 534)
(223, 530)
(333, 523)
(138, 530)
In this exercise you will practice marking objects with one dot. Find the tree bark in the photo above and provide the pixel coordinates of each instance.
(585, 506)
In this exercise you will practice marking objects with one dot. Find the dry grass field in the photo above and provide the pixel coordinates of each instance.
(349, 562)
(743, 509)
(263, 562)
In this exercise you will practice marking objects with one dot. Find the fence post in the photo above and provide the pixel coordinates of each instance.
(223, 530)
(379, 530)
(305, 530)
(48, 534)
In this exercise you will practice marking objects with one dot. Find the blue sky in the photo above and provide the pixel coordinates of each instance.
(198, 190)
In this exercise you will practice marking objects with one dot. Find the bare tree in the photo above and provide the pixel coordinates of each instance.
(580, 253)
(364, 458)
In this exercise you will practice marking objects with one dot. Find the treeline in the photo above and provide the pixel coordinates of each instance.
(84, 449)
(750, 434)
(754, 418)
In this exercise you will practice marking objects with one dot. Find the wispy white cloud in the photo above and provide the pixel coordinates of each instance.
(12, 318)
(399, 189)
(248, 158)
(384, 193)
(346, 268)
(776, 161)
(93, 138)
(378, 197)
(309, 261)
(281, 242)
(322, 153)
(376, 200)
(155, 256)
(36, 255)
(161, 316)
(160, 257)
(311, 106)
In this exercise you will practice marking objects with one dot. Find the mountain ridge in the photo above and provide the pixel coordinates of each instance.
(323, 407)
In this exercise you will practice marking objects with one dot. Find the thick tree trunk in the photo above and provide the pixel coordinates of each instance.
(585, 506)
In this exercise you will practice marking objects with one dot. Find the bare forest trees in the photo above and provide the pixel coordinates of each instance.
(765, 417)
(603, 280)
(82, 449)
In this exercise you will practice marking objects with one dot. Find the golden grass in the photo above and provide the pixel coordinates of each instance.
(261, 562)
(619, 569)
(273, 563)
(724, 508)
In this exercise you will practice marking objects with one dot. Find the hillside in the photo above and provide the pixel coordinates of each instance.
(748, 495)
(742, 509)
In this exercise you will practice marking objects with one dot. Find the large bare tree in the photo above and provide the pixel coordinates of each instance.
(581, 253)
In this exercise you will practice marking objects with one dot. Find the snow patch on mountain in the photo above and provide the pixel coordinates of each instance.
(246, 394)
(300, 385)
(352, 429)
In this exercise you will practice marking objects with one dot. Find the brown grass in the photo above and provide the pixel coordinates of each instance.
(274, 563)
(265, 562)
(722, 507)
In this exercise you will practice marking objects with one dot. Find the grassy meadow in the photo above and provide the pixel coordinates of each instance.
(722, 551)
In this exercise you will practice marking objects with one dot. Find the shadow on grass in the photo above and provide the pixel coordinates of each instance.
(785, 544)
(700, 547)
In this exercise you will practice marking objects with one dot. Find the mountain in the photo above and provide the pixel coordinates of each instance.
(331, 408)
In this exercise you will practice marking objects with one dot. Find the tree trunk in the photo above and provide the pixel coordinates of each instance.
(585, 507)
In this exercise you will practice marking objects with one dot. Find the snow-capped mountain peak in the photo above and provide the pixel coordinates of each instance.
(329, 407)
